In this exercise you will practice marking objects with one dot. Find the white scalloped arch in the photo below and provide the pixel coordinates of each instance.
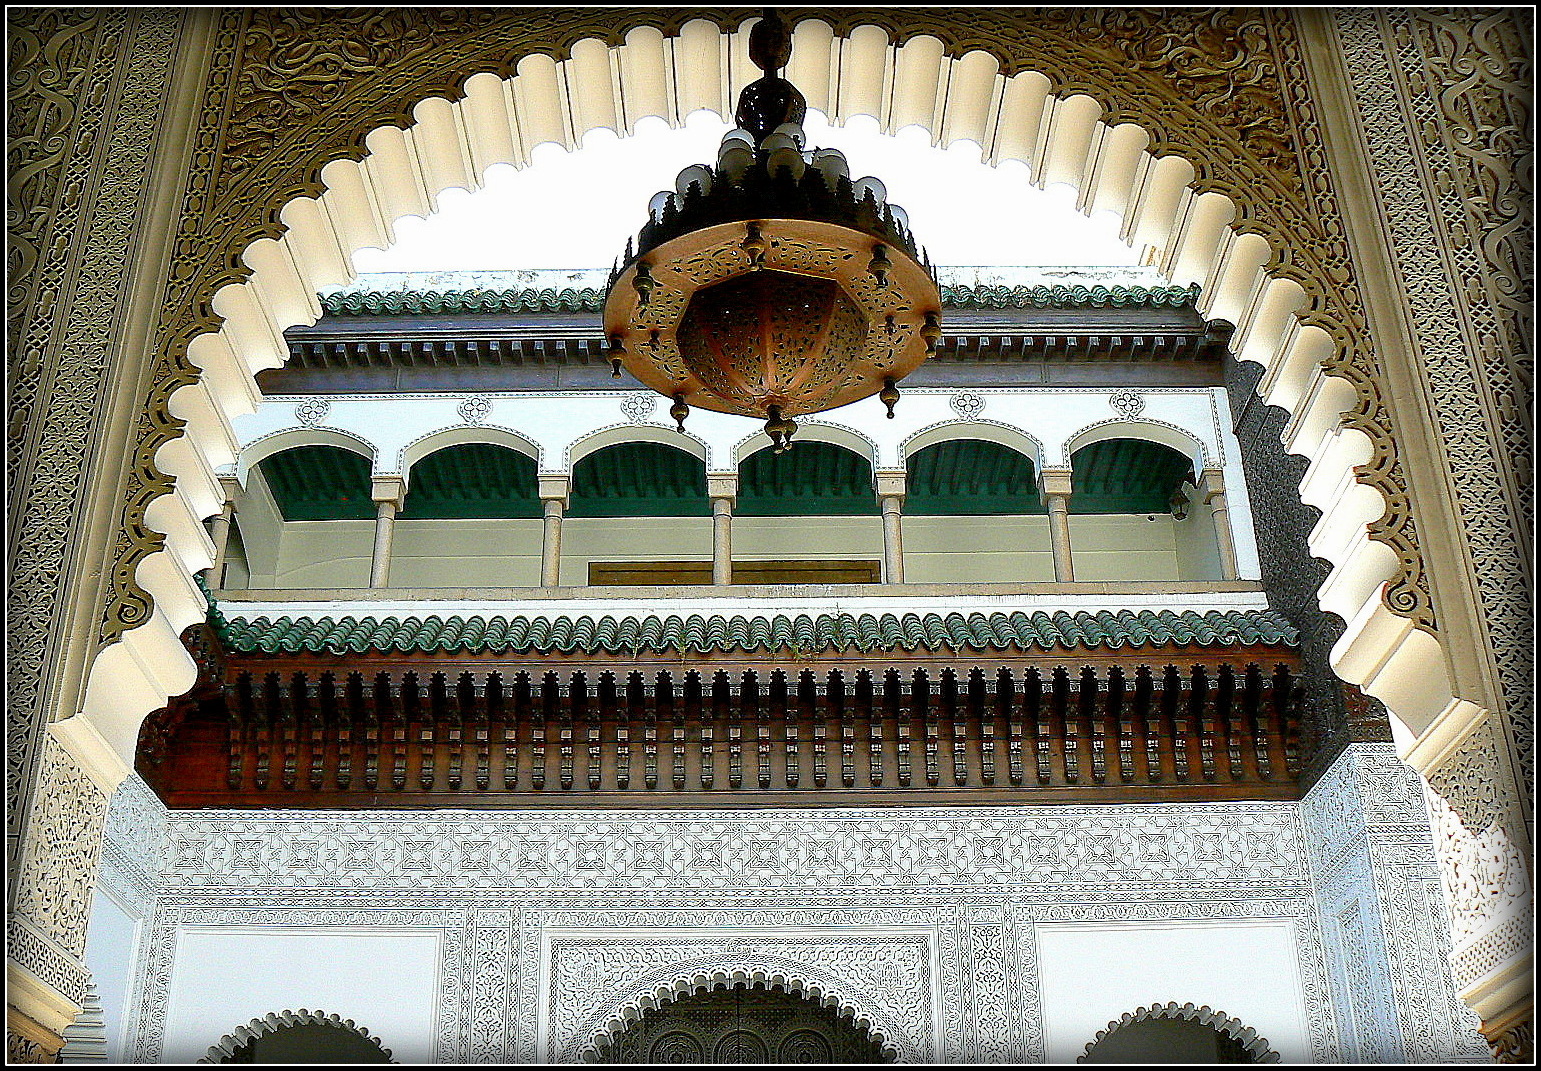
(1155, 431)
(490, 434)
(702, 976)
(273, 1022)
(1256, 1045)
(451, 144)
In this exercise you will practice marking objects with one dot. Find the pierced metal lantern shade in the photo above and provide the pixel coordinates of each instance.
(810, 329)
(770, 285)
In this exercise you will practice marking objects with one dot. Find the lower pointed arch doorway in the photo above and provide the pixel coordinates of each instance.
(745, 1023)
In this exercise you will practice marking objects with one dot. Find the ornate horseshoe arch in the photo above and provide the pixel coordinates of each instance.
(273, 1022)
(1254, 1044)
(312, 169)
(685, 981)
(317, 129)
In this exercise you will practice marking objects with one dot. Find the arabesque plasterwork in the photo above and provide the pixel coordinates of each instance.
(1471, 310)
(924, 922)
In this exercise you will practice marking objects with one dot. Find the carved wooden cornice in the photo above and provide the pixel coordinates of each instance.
(293, 90)
(320, 732)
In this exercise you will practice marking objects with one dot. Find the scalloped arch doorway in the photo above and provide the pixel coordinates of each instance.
(1280, 295)
(1202, 149)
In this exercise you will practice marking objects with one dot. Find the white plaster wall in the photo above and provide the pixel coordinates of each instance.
(937, 550)
(1195, 550)
(322, 554)
(632, 539)
(386, 981)
(111, 940)
(808, 538)
(261, 527)
(977, 550)
(1091, 974)
(466, 553)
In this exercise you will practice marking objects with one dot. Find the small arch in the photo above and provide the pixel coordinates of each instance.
(473, 480)
(769, 973)
(277, 442)
(1127, 476)
(639, 479)
(434, 441)
(1156, 431)
(992, 431)
(811, 479)
(616, 434)
(812, 432)
(743, 1023)
(1244, 1044)
(319, 483)
(275, 1022)
(970, 477)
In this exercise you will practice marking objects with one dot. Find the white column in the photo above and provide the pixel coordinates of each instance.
(553, 499)
(220, 532)
(1212, 490)
(1055, 486)
(722, 488)
(890, 491)
(388, 492)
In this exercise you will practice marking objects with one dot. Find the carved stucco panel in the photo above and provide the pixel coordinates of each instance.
(58, 868)
(885, 975)
(67, 294)
(1444, 102)
(1484, 866)
(1377, 886)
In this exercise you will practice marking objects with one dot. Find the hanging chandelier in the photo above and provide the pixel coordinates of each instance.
(771, 285)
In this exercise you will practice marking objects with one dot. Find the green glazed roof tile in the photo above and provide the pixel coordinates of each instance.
(841, 632)
(591, 299)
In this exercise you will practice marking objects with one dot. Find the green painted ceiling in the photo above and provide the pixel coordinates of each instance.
(319, 483)
(1126, 476)
(956, 478)
(811, 479)
(970, 477)
(472, 480)
(639, 480)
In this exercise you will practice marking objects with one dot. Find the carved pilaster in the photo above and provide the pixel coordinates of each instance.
(46, 933)
(26, 1042)
(1480, 839)
(1513, 1041)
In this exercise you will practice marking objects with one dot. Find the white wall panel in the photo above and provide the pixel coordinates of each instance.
(1093, 973)
(385, 981)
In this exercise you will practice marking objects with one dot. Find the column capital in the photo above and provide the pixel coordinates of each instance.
(390, 489)
(722, 485)
(231, 488)
(554, 488)
(1054, 482)
(889, 483)
(1211, 483)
